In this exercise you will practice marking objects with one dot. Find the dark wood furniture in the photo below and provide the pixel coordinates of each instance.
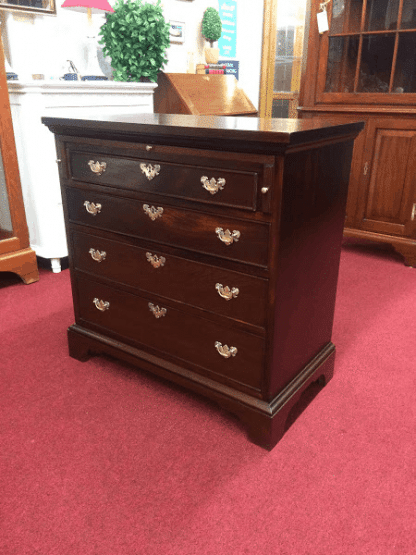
(365, 69)
(206, 250)
(15, 253)
(195, 94)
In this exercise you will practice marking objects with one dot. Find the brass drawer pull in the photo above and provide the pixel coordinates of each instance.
(101, 305)
(97, 255)
(225, 351)
(227, 293)
(97, 167)
(150, 171)
(153, 212)
(92, 208)
(412, 217)
(226, 236)
(155, 261)
(156, 311)
(213, 185)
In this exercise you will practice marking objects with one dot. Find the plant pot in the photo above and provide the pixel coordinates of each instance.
(211, 55)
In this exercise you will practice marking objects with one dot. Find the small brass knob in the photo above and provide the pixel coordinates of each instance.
(156, 310)
(225, 351)
(92, 208)
(101, 305)
(149, 148)
(97, 167)
(97, 255)
(227, 236)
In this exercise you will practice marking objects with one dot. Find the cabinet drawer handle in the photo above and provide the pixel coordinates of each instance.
(153, 212)
(225, 351)
(156, 311)
(97, 255)
(412, 217)
(213, 185)
(227, 293)
(150, 171)
(101, 305)
(97, 167)
(155, 261)
(226, 236)
(92, 208)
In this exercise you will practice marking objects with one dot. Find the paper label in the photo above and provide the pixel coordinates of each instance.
(322, 22)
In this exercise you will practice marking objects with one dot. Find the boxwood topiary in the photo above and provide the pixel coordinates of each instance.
(135, 36)
(211, 25)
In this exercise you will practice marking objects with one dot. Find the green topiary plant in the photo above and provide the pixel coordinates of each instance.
(135, 37)
(211, 26)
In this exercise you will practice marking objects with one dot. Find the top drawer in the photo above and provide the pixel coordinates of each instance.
(221, 186)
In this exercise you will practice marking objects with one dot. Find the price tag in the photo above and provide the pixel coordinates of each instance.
(322, 22)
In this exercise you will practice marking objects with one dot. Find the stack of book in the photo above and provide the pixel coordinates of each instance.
(211, 68)
(215, 68)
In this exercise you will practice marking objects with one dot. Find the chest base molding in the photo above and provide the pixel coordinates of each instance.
(265, 422)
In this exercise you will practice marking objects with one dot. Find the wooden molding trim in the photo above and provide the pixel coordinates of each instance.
(267, 57)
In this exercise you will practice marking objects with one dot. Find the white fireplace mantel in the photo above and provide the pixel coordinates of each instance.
(36, 152)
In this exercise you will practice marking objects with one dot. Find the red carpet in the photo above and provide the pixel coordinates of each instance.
(101, 459)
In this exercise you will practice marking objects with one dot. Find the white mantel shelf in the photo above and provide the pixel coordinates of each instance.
(55, 86)
(35, 145)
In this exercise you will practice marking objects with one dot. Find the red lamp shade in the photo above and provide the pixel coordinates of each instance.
(95, 6)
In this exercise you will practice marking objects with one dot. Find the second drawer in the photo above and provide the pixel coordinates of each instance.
(232, 294)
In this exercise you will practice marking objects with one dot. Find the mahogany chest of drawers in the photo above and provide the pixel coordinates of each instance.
(206, 250)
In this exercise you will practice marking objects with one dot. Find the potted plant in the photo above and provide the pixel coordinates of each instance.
(211, 31)
(135, 36)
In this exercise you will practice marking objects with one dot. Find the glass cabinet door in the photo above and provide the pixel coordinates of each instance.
(371, 48)
(6, 229)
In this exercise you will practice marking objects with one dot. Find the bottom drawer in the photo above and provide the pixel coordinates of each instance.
(217, 348)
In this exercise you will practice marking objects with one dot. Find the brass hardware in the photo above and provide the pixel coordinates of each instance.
(155, 261)
(225, 351)
(153, 212)
(150, 171)
(92, 208)
(149, 148)
(101, 305)
(213, 186)
(97, 167)
(97, 255)
(412, 217)
(156, 311)
(366, 168)
(226, 236)
(225, 292)
(264, 190)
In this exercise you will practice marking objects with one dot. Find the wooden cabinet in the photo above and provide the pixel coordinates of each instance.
(364, 69)
(186, 93)
(15, 253)
(207, 251)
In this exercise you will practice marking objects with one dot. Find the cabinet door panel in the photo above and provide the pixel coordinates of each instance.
(391, 181)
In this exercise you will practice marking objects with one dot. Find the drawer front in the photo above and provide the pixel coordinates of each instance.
(212, 288)
(169, 330)
(241, 240)
(230, 188)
